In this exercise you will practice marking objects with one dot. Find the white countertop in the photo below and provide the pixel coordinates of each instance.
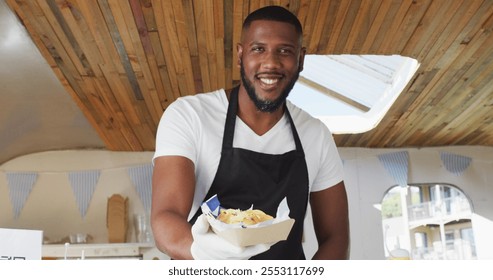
(95, 250)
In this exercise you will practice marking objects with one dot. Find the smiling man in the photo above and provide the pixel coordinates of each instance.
(274, 58)
(249, 146)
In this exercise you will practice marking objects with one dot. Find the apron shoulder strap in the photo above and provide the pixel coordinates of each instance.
(229, 127)
(296, 137)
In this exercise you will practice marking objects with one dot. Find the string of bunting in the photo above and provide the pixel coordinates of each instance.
(397, 164)
(83, 184)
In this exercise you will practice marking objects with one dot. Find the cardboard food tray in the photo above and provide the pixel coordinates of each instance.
(270, 231)
(258, 235)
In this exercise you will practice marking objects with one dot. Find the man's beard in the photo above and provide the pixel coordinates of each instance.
(267, 106)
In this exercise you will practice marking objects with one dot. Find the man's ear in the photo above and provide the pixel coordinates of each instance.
(301, 59)
(239, 54)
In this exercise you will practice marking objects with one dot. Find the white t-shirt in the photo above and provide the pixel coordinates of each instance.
(193, 127)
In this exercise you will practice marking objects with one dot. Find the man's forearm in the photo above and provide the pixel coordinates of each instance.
(173, 235)
(333, 249)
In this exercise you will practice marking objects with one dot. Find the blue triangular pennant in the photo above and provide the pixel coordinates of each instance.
(455, 164)
(142, 179)
(397, 166)
(20, 186)
(83, 185)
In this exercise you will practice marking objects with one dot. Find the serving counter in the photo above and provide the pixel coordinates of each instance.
(138, 251)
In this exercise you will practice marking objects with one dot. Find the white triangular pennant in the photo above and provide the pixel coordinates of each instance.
(455, 164)
(20, 186)
(142, 179)
(397, 166)
(83, 185)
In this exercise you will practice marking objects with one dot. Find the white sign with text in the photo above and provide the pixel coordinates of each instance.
(20, 244)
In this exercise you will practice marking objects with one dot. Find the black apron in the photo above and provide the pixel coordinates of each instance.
(246, 177)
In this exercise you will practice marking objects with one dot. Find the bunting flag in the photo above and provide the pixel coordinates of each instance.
(397, 166)
(142, 179)
(83, 185)
(455, 164)
(20, 186)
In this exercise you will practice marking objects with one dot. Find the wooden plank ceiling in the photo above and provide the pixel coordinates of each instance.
(124, 61)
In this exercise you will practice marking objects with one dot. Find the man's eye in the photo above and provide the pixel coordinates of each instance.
(257, 49)
(285, 51)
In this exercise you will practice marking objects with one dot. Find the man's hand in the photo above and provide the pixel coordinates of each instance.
(209, 246)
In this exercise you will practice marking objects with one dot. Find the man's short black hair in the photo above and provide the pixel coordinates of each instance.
(274, 13)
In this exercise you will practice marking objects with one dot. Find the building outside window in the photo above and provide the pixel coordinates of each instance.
(430, 221)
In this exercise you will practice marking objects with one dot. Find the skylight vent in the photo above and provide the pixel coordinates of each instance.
(351, 93)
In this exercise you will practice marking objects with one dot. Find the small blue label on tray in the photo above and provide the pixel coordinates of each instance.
(214, 205)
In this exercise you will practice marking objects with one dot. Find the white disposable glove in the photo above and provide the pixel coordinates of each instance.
(209, 246)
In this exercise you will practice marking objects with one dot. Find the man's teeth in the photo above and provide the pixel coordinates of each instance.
(268, 81)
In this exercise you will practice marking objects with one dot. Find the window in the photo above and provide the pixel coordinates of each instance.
(467, 237)
(421, 243)
(351, 93)
(420, 240)
(449, 238)
(436, 216)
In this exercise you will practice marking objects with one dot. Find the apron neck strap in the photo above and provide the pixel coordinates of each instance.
(229, 127)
